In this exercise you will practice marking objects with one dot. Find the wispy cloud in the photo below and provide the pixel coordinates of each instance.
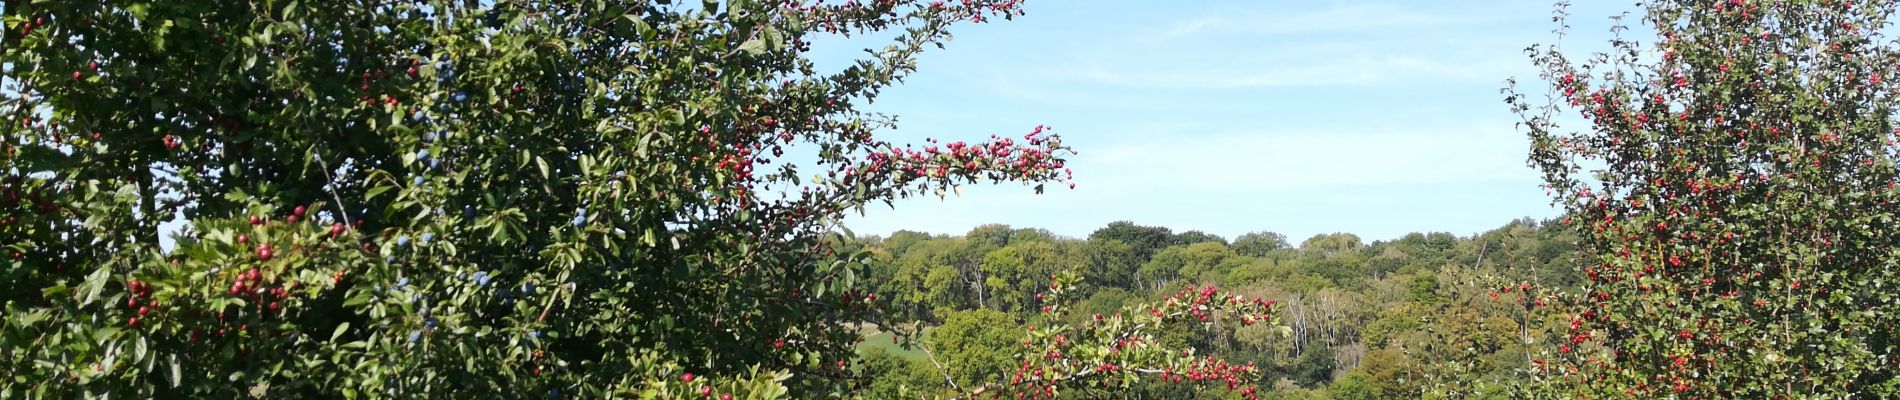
(1266, 161)
(1361, 69)
(1339, 18)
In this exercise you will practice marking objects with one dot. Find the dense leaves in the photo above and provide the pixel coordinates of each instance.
(1427, 315)
(425, 198)
(1734, 192)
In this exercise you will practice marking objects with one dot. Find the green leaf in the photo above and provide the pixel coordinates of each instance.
(340, 329)
(754, 46)
(95, 283)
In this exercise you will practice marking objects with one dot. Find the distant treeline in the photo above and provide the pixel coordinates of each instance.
(1420, 316)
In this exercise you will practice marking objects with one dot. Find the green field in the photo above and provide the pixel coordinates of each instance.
(874, 338)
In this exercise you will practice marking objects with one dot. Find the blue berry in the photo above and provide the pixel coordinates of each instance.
(580, 220)
(401, 282)
(481, 278)
(415, 336)
(402, 240)
(527, 288)
(416, 182)
(422, 154)
(427, 236)
(468, 212)
(459, 97)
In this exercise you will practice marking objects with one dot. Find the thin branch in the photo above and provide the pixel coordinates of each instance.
(946, 371)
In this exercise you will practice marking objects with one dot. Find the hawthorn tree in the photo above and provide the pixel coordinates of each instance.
(1734, 195)
(428, 198)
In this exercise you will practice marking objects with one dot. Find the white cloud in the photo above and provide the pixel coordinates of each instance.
(1363, 69)
(1252, 162)
(1339, 18)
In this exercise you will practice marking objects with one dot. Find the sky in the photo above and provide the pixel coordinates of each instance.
(1235, 116)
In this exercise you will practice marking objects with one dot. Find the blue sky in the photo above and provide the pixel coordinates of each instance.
(1298, 117)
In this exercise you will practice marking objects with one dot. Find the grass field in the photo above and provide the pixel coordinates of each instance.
(874, 338)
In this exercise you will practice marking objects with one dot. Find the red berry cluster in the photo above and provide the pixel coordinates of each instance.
(1209, 369)
(250, 285)
(140, 301)
(1107, 349)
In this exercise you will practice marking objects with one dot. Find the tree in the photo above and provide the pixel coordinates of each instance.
(901, 241)
(1015, 272)
(1110, 353)
(421, 198)
(1112, 263)
(1146, 240)
(989, 235)
(974, 346)
(1258, 244)
(1330, 243)
(1354, 386)
(1192, 237)
(1734, 198)
(893, 376)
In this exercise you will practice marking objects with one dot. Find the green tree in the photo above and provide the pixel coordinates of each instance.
(990, 235)
(424, 198)
(975, 347)
(1354, 386)
(901, 241)
(1112, 263)
(1733, 193)
(893, 376)
(1331, 243)
(1192, 237)
(1146, 240)
(1258, 244)
(1314, 367)
(1015, 273)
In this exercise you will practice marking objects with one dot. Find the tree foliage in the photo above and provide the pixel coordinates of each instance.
(426, 198)
(1447, 318)
(1734, 195)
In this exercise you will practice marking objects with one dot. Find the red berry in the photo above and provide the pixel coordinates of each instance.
(243, 238)
(336, 229)
(687, 377)
(726, 396)
(705, 391)
(297, 211)
(132, 322)
(256, 220)
(263, 252)
(292, 219)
